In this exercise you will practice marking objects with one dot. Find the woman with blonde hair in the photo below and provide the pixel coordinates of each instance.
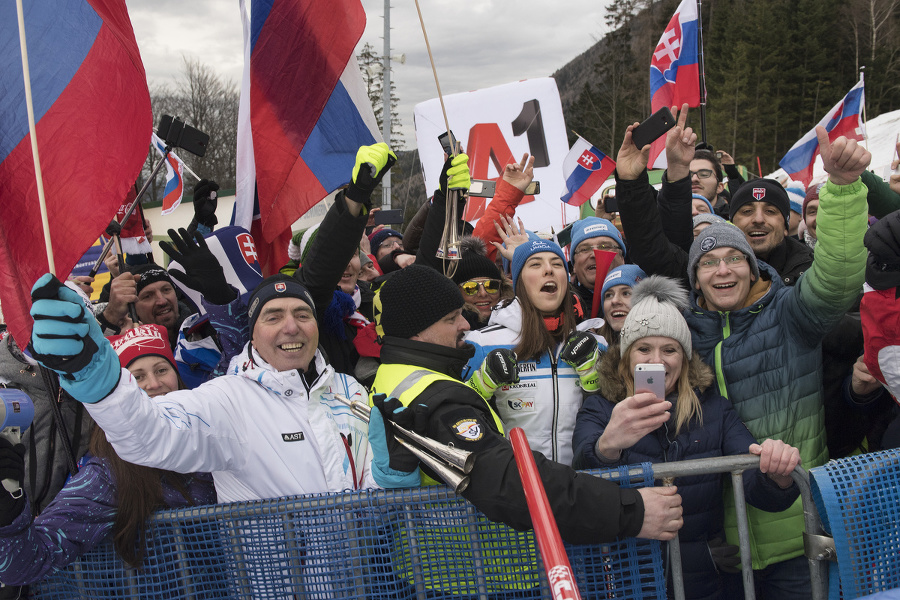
(623, 426)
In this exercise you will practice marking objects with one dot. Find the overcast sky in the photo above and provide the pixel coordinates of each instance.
(475, 45)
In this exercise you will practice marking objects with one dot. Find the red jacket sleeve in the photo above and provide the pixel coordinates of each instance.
(506, 198)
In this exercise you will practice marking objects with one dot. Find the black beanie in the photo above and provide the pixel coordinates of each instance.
(761, 190)
(413, 299)
(272, 288)
(473, 265)
(149, 273)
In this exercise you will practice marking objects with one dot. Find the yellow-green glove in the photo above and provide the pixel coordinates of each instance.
(455, 175)
(372, 162)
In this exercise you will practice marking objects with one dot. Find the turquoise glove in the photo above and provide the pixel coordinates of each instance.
(378, 159)
(67, 339)
(499, 368)
(455, 175)
(581, 351)
(393, 465)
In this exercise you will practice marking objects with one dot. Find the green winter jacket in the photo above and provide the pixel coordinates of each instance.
(768, 356)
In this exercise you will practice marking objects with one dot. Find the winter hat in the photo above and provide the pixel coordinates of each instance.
(719, 235)
(699, 197)
(145, 340)
(272, 288)
(474, 261)
(591, 227)
(524, 251)
(796, 192)
(301, 242)
(656, 306)
(761, 190)
(377, 238)
(706, 218)
(625, 275)
(811, 194)
(413, 299)
(883, 243)
(149, 273)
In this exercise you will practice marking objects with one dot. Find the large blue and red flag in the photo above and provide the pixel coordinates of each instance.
(674, 70)
(845, 119)
(585, 168)
(93, 121)
(307, 109)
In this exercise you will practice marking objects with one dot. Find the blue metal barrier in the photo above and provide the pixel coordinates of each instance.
(418, 543)
(858, 500)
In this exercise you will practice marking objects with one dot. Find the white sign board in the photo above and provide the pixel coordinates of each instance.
(496, 127)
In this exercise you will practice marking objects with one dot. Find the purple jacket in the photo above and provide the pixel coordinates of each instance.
(79, 518)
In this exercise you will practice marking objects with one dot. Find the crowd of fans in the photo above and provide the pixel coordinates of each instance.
(750, 296)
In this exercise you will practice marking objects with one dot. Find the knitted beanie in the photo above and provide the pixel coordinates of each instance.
(699, 197)
(144, 340)
(474, 262)
(761, 190)
(625, 275)
(149, 273)
(377, 238)
(656, 306)
(272, 288)
(811, 194)
(591, 227)
(413, 299)
(301, 242)
(524, 251)
(719, 235)
(706, 218)
(796, 192)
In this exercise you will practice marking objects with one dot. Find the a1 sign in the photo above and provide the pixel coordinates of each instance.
(496, 127)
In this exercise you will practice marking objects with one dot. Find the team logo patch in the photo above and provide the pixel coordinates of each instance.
(280, 287)
(297, 436)
(759, 193)
(468, 429)
(596, 228)
(708, 244)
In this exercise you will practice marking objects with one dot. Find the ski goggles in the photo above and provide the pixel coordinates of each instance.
(470, 288)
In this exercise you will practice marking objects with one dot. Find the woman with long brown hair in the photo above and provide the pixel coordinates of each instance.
(108, 496)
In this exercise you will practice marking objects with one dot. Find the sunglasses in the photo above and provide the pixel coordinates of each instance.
(470, 288)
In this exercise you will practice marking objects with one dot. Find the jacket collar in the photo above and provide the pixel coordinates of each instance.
(250, 364)
(449, 361)
(761, 292)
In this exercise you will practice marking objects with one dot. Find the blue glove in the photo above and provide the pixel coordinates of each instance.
(393, 466)
(67, 339)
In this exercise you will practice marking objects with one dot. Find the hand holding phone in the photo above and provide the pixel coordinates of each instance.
(653, 127)
(650, 378)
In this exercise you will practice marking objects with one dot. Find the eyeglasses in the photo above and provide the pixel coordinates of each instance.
(605, 247)
(470, 288)
(711, 264)
(702, 173)
(392, 242)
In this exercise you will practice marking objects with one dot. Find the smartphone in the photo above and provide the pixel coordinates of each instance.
(610, 204)
(650, 378)
(656, 125)
(388, 217)
(444, 139)
(485, 188)
(179, 135)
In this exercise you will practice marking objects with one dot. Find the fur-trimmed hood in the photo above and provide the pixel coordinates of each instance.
(612, 387)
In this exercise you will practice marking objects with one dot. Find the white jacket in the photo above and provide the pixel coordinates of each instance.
(261, 433)
(545, 401)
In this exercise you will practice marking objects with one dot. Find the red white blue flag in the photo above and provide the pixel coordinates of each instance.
(93, 121)
(585, 169)
(845, 119)
(304, 113)
(174, 177)
(674, 70)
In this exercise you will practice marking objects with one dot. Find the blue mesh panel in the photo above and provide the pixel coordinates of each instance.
(401, 544)
(857, 499)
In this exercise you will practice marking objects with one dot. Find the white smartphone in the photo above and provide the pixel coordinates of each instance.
(650, 378)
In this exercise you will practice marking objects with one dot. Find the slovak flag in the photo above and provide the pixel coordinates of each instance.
(304, 113)
(174, 177)
(93, 121)
(675, 71)
(585, 169)
(845, 119)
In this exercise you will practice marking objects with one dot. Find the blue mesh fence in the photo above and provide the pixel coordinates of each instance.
(403, 544)
(857, 499)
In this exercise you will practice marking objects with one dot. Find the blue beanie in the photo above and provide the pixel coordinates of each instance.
(377, 238)
(625, 275)
(699, 197)
(524, 251)
(591, 227)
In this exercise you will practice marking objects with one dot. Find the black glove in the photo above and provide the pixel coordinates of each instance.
(202, 271)
(12, 466)
(381, 435)
(724, 555)
(883, 242)
(499, 368)
(581, 351)
(205, 201)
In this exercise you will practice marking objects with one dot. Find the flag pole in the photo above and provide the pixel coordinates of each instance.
(453, 147)
(51, 265)
(702, 65)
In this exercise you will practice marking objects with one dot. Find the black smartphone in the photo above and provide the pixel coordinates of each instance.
(177, 134)
(653, 127)
(610, 204)
(444, 139)
(389, 217)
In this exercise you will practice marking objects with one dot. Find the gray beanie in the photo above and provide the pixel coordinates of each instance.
(707, 218)
(656, 306)
(719, 235)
